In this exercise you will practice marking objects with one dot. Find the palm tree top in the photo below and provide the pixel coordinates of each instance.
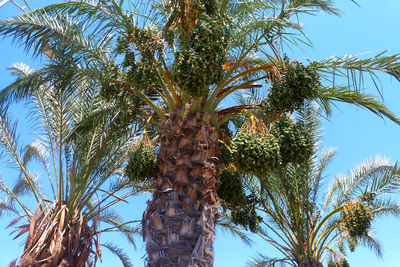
(306, 224)
(82, 173)
(144, 49)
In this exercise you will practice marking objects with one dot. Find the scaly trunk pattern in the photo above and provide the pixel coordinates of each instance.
(179, 223)
(310, 262)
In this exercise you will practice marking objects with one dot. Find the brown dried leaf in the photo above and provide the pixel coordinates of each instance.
(14, 221)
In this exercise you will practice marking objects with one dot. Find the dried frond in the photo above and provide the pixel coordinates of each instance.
(52, 240)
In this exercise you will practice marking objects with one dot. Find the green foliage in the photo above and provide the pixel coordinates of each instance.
(289, 91)
(142, 72)
(137, 72)
(225, 155)
(353, 243)
(246, 217)
(225, 135)
(110, 88)
(231, 188)
(128, 110)
(202, 52)
(341, 263)
(357, 219)
(134, 75)
(296, 145)
(140, 49)
(255, 152)
(368, 198)
(142, 162)
(242, 207)
(128, 104)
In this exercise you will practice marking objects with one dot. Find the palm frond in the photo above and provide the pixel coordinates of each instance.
(343, 94)
(10, 150)
(23, 184)
(7, 206)
(43, 27)
(28, 80)
(8, 203)
(35, 151)
(108, 15)
(116, 221)
(387, 182)
(119, 252)
(226, 224)
(265, 261)
(323, 161)
(385, 207)
(373, 244)
(372, 171)
(352, 67)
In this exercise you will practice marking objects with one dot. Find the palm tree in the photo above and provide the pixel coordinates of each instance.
(307, 228)
(178, 61)
(83, 168)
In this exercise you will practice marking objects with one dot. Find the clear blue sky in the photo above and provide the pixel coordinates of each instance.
(355, 133)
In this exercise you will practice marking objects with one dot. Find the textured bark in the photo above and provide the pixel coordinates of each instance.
(179, 223)
(311, 263)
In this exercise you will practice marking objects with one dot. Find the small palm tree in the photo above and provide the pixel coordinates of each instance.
(84, 170)
(307, 229)
(178, 61)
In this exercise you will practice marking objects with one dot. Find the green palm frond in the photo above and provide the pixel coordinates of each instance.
(343, 94)
(273, 16)
(119, 252)
(323, 161)
(386, 207)
(20, 69)
(373, 244)
(119, 225)
(57, 35)
(353, 67)
(23, 185)
(375, 171)
(35, 151)
(225, 224)
(264, 261)
(389, 182)
(10, 150)
(44, 27)
(28, 80)
(7, 206)
(108, 15)
(8, 202)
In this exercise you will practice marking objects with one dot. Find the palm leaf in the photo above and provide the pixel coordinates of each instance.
(343, 94)
(119, 252)
(226, 224)
(116, 221)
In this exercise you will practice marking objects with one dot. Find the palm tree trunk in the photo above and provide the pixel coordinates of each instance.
(54, 242)
(310, 262)
(179, 223)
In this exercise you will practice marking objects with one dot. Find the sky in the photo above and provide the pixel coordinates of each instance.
(356, 134)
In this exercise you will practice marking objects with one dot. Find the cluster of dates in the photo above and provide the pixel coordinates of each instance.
(357, 218)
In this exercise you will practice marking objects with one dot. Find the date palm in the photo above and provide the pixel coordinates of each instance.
(64, 210)
(179, 60)
(308, 228)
